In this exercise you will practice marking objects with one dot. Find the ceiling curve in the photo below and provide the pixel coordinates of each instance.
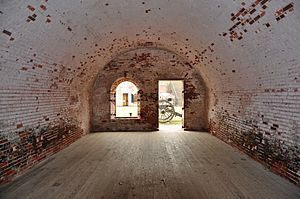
(77, 38)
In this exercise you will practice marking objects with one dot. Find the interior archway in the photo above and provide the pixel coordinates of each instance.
(125, 108)
(147, 66)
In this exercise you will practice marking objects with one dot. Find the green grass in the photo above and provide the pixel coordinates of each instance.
(175, 121)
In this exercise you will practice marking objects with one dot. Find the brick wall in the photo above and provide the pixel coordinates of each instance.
(264, 121)
(146, 66)
(37, 111)
(38, 106)
(264, 124)
(31, 148)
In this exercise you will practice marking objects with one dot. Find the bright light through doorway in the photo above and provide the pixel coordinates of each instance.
(171, 103)
(126, 100)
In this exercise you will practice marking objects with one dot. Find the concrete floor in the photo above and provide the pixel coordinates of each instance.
(165, 164)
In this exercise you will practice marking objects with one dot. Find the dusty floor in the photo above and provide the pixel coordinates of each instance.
(165, 164)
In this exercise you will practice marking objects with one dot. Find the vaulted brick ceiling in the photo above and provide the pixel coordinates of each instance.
(52, 51)
(83, 35)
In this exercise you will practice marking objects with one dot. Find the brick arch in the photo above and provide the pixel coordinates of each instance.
(145, 67)
(121, 80)
(113, 90)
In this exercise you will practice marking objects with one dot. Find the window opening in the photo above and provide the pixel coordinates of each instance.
(125, 103)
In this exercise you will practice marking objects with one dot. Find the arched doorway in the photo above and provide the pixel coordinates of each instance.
(125, 100)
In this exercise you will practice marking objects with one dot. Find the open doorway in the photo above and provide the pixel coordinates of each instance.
(124, 100)
(171, 103)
